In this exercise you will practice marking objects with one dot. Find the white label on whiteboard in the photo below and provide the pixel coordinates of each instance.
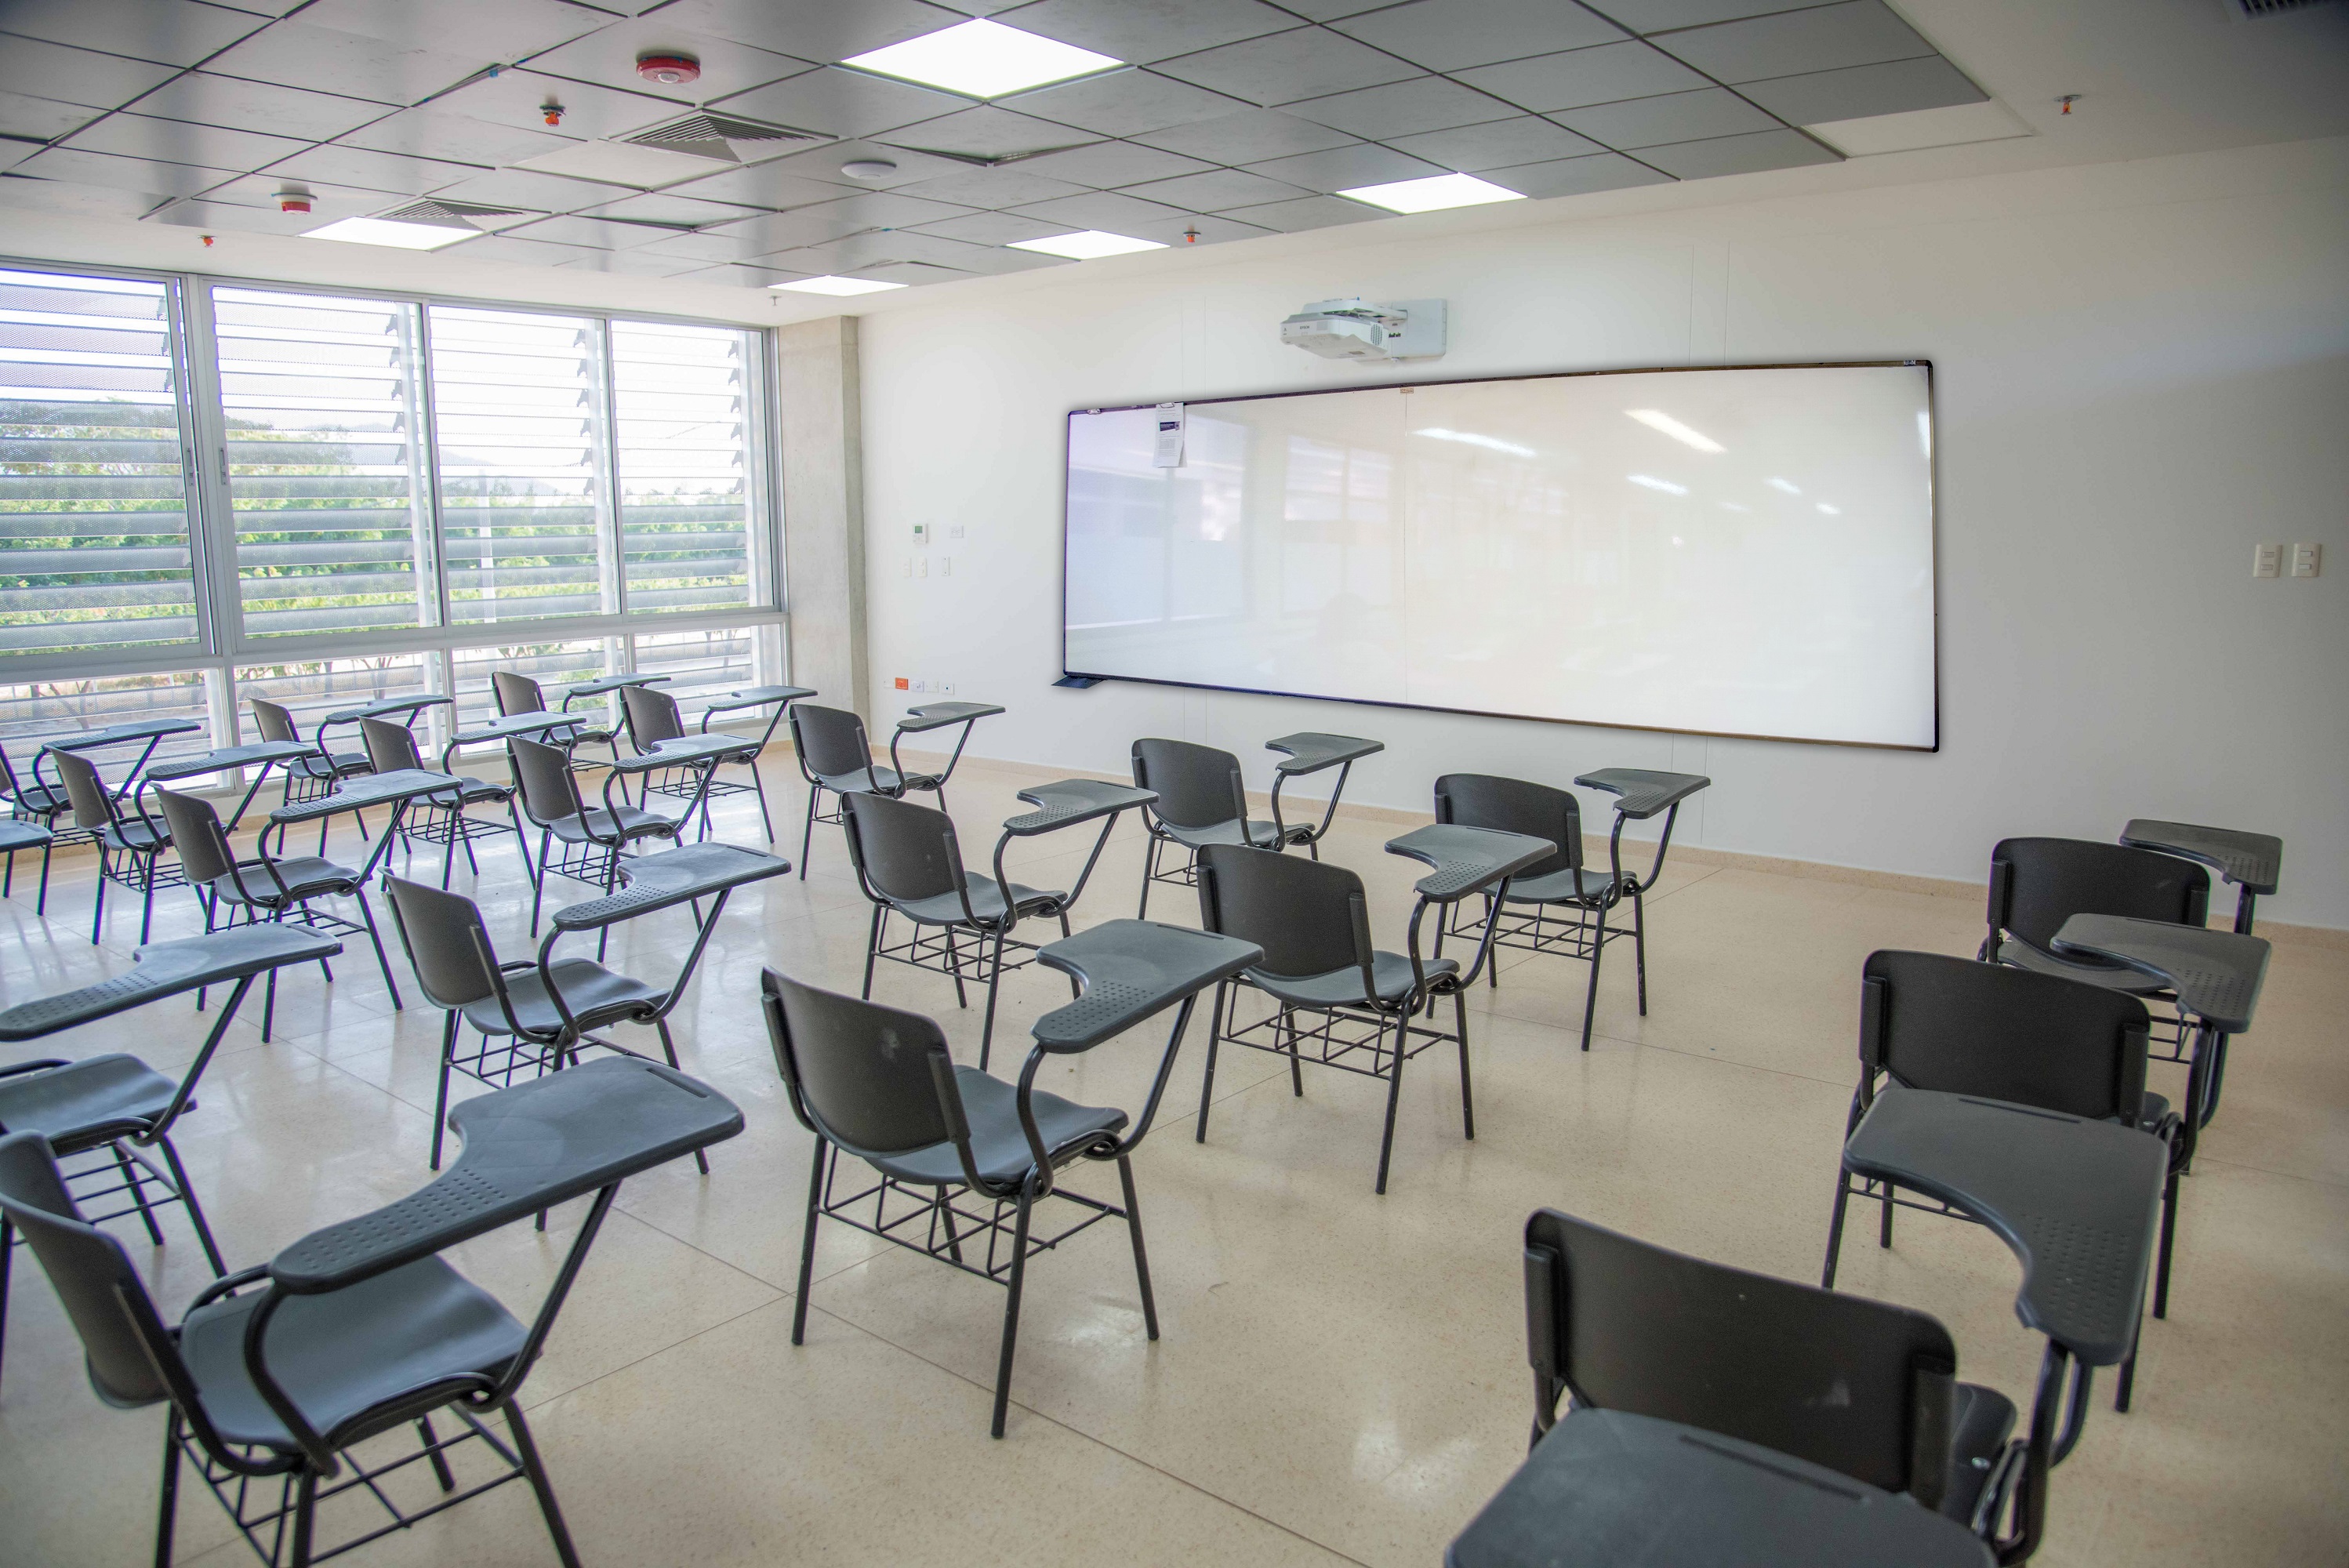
(1169, 451)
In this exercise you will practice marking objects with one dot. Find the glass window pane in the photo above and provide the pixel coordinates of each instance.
(552, 666)
(334, 522)
(681, 397)
(518, 409)
(701, 666)
(36, 711)
(314, 689)
(93, 502)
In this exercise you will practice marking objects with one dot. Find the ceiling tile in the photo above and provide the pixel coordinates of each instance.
(1307, 213)
(881, 210)
(1330, 10)
(590, 113)
(603, 233)
(1898, 87)
(860, 250)
(521, 253)
(529, 190)
(842, 103)
(825, 30)
(706, 248)
(1446, 35)
(1248, 137)
(433, 133)
(1122, 103)
(279, 110)
(1216, 190)
(994, 189)
(326, 60)
(390, 172)
(631, 264)
(985, 259)
(76, 76)
(150, 176)
(14, 150)
(1403, 109)
(1106, 164)
(241, 219)
(1575, 176)
(610, 59)
(1107, 211)
(666, 207)
(1528, 138)
(1738, 154)
(174, 32)
(765, 236)
(1824, 38)
(982, 7)
(1146, 30)
(1986, 119)
(986, 132)
(740, 277)
(327, 201)
(1580, 77)
(66, 196)
(1344, 168)
(762, 185)
(214, 146)
(1673, 117)
(825, 163)
(913, 274)
(40, 118)
(1656, 16)
(505, 30)
(1198, 229)
(993, 228)
(1307, 63)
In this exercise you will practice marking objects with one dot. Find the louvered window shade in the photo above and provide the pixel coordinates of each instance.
(518, 407)
(682, 398)
(323, 410)
(94, 551)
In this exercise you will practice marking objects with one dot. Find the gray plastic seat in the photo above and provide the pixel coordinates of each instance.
(2037, 884)
(1392, 980)
(17, 836)
(129, 849)
(595, 836)
(835, 754)
(595, 996)
(1202, 800)
(516, 693)
(999, 1145)
(95, 1100)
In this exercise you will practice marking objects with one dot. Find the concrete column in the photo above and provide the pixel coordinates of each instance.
(823, 446)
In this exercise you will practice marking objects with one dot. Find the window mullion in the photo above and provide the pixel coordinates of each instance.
(213, 528)
(607, 481)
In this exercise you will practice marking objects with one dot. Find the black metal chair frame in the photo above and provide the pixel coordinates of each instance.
(310, 1466)
(533, 700)
(209, 865)
(16, 835)
(111, 1158)
(1300, 755)
(42, 806)
(941, 1220)
(592, 858)
(1347, 1030)
(312, 779)
(435, 820)
(653, 719)
(129, 849)
(898, 783)
(2130, 1104)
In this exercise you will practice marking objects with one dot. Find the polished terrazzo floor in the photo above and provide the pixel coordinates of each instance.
(1341, 1375)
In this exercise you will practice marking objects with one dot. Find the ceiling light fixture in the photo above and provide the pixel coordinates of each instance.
(1086, 244)
(1434, 193)
(385, 231)
(840, 286)
(1663, 423)
(982, 59)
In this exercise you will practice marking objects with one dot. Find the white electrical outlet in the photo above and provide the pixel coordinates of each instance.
(954, 531)
(921, 686)
(945, 565)
(921, 567)
(2307, 560)
(2267, 560)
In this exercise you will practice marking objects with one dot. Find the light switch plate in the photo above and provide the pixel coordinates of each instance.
(2267, 560)
(2307, 560)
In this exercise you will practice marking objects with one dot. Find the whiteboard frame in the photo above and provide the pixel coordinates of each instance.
(1933, 513)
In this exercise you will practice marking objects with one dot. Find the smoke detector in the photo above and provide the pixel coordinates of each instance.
(293, 200)
(669, 70)
(868, 169)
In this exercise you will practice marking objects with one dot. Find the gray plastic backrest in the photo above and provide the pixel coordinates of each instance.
(516, 694)
(93, 808)
(1311, 917)
(1198, 786)
(906, 852)
(1858, 1386)
(92, 1277)
(2045, 882)
(829, 740)
(653, 716)
(549, 792)
(275, 721)
(1514, 806)
(8, 775)
(1961, 1026)
(196, 832)
(390, 747)
(446, 943)
(871, 1078)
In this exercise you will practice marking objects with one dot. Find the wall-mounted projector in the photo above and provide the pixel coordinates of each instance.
(1357, 329)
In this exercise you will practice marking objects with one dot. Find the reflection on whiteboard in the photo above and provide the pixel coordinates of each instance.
(1725, 552)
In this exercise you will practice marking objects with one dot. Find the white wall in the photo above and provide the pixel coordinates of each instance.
(2142, 370)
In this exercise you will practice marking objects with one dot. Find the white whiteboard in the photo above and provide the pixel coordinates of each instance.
(1740, 552)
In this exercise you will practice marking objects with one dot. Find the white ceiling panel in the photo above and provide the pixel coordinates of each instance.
(662, 207)
(1446, 35)
(505, 30)
(1009, 185)
(396, 172)
(529, 190)
(1575, 176)
(1108, 211)
(1122, 103)
(609, 58)
(834, 102)
(1307, 63)
(1306, 212)
(518, 99)
(1673, 117)
(1216, 190)
(270, 107)
(1528, 138)
(603, 233)
(434, 133)
(987, 132)
(213, 146)
(68, 197)
(326, 60)
(1141, 31)
(1344, 168)
(827, 30)
(1247, 137)
(1607, 73)
(75, 75)
(153, 176)
(993, 229)
(1748, 154)
(1403, 109)
(172, 31)
(1823, 38)
(40, 118)
(1863, 92)
(1107, 164)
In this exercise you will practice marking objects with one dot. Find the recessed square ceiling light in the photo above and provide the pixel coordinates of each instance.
(1085, 245)
(831, 286)
(385, 231)
(982, 59)
(1434, 193)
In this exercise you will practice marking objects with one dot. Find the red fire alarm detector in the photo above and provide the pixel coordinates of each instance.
(293, 200)
(669, 70)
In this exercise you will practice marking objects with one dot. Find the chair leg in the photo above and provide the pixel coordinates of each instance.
(521, 843)
(1296, 1065)
(195, 1211)
(2128, 1384)
(668, 1049)
(538, 885)
(8, 1250)
(1835, 1229)
(167, 1509)
(1011, 1307)
(41, 904)
(268, 1002)
(440, 1104)
(807, 839)
(1884, 1225)
(1493, 959)
(1467, 1097)
(1076, 986)
(1590, 996)
(1640, 944)
(2169, 1235)
(807, 1246)
(954, 965)
(306, 1515)
(382, 962)
(1149, 870)
(758, 789)
(1141, 1255)
(431, 1439)
(98, 909)
(872, 946)
(1394, 1097)
(535, 1468)
(1207, 1080)
(994, 984)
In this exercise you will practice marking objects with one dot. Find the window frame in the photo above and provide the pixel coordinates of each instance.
(220, 643)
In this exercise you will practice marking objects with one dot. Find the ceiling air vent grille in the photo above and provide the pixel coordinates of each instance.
(2254, 10)
(716, 135)
(430, 212)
